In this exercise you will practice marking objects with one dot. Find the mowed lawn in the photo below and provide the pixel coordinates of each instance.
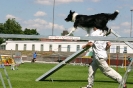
(70, 76)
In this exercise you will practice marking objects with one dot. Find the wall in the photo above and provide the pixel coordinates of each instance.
(73, 46)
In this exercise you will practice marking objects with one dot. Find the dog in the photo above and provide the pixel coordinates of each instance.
(87, 22)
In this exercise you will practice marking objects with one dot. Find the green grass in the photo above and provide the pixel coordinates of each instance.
(68, 77)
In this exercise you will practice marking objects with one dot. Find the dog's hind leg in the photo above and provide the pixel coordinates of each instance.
(109, 32)
(105, 30)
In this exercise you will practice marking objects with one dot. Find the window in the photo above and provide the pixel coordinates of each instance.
(3, 47)
(41, 47)
(117, 49)
(24, 46)
(78, 47)
(68, 48)
(16, 47)
(125, 49)
(33, 47)
(50, 47)
(59, 48)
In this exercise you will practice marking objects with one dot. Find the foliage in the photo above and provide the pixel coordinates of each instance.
(1, 28)
(30, 31)
(1, 40)
(1, 31)
(72, 76)
(13, 27)
(65, 32)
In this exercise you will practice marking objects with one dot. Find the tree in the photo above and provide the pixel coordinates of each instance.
(1, 27)
(65, 32)
(12, 27)
(1, 40)
(30, 31)
(1, 31)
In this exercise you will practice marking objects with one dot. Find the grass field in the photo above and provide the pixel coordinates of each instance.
(69, 76)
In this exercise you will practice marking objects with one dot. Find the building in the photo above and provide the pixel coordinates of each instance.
(63, 46)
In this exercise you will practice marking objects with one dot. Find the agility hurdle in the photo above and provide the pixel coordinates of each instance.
(118, 38)
(2, 80)
(3, 67)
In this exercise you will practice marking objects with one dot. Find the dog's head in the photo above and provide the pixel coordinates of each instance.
(70, 16)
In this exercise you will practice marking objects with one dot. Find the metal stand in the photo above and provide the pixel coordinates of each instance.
(3, 83)
(130, 65)
(2, 66)
(129, 69)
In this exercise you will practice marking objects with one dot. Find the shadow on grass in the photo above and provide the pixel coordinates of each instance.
(129, 83)
(81, 81)
(66, 80)
(102, 81)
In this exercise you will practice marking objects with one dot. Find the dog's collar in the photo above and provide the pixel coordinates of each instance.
(74, 17)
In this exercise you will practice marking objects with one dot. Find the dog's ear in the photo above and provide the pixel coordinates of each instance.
(70, 11)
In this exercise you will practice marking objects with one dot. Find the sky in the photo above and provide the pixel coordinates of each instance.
(38, 14)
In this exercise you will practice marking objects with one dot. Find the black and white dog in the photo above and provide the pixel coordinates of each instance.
(87, 22)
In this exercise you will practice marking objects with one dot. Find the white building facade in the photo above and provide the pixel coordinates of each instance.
(63, 46)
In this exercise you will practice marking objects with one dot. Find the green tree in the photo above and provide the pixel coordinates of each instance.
(1, 40)
(12, 27)
(1, 28)
(1, 31)
(65, 32)
(30, 31)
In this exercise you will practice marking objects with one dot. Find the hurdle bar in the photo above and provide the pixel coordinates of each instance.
(118, 38)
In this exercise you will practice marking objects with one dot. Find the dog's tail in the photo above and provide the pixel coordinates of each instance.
(113, 16)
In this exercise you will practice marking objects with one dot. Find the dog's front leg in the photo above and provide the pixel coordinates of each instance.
(72, 30)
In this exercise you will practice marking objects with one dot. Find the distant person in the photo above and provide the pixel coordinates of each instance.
(34, 57)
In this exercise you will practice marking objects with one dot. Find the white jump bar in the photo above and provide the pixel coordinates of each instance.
(67, 37)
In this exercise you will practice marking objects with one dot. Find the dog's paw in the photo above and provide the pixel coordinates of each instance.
(109, 32)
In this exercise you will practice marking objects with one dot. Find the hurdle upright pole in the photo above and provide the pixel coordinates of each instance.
(3, 83)
(125, 62)
(117, 61)
(109, 58)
